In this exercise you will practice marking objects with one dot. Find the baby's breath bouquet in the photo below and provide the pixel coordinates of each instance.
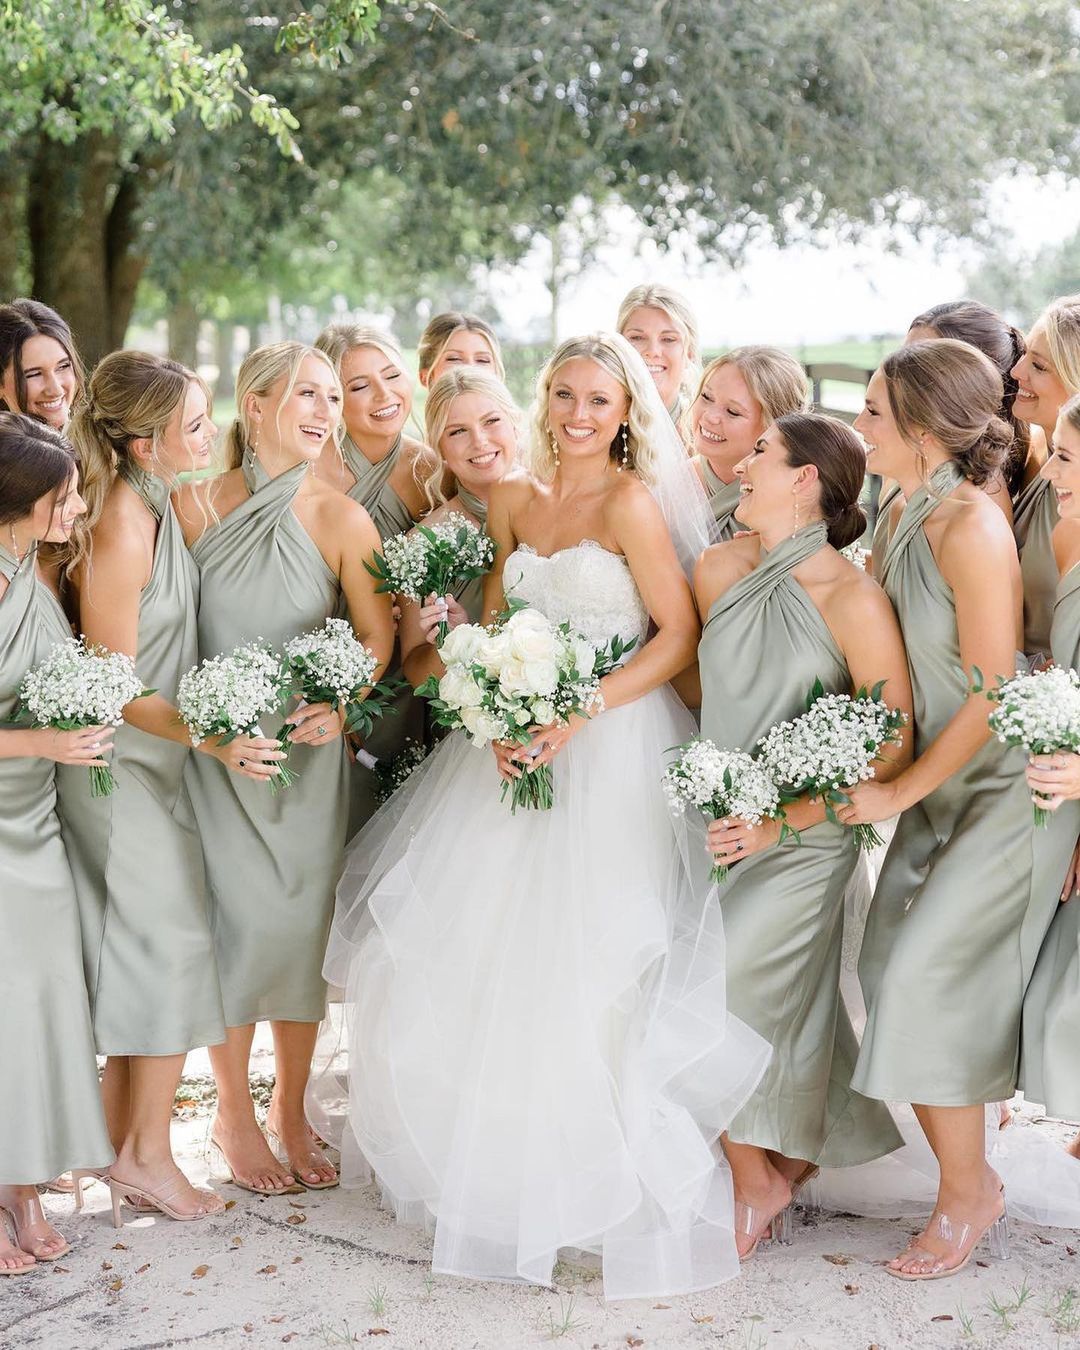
(433, 560)
(81, 685)
(857, 554)
(1038, 712)
(227, 695)
(504, 681)
(331, 665)
(832, 746)
(721, 783)
(391, 774)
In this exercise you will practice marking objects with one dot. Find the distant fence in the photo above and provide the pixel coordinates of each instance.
(846, 403)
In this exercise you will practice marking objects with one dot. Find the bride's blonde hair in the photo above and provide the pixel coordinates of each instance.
(614, 354)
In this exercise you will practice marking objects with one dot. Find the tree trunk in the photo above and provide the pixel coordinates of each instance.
(125, 263)
(184, 332)
(224, 338)
(12, 225)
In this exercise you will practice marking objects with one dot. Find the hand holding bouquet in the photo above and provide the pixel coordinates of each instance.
(79, 685)
(504, 682)
(226, 696)
(721, 784)
(433, 560)
(1040, 713)
(832, 746)
(330, 665)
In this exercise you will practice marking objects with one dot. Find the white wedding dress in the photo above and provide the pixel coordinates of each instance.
(540, 1055)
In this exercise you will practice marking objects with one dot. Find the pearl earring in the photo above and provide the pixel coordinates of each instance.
(798, 514)
(624, 448)
(554, 448)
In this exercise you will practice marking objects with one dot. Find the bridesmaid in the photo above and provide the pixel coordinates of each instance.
(136, 855)
(279, 551)
(956, 920)
(795, 611)
(1050, 1050)
(385, 471)
(1047, 374)
(660, 325)
(51, 1117)
(474, 424)
(739, 395)
(40, 371)
(456, 339)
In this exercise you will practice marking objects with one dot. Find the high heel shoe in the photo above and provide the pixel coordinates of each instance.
(221, 1171)
(81, 1174)
(957, 1233)
(316, 1156)
(123, 1192)
(26, 1215)
(763, 1227)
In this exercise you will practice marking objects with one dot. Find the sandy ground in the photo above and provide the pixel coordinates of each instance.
(331, 1269)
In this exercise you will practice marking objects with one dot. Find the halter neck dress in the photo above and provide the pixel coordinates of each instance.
(1034, 518)
(723, 499)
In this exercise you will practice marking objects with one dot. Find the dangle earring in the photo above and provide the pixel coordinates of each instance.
(554, 448)
(798, 513)
(624, 448)
(253, 448)
(15, 546)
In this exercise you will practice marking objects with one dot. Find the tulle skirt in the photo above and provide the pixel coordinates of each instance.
(540, 1055)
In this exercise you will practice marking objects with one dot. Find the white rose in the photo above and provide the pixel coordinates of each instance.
(513, 678)
(584, 657)
(492, 652)
(460, 690)
(462, 644)
(543, 712)
(535, 644)
(542, 676)
(482, 726)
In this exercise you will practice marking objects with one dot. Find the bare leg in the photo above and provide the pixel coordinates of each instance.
(969, 1190)
(1073, 1146)
(294, 1045)
(145, 1158)
(759, 1185)
(116, 1098)
(235, 1130)
(33, 1232)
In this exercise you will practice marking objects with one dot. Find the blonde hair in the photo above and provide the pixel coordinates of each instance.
(1070, 411)
(614, 354)
(1061, 320)
(436, 338)
(775, 379)
(678, 310)
(259, 372)
(337, 340)
(440, 399)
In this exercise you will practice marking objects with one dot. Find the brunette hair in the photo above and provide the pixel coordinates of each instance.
(35, 460)
(951, 390)
(837, 453)
(21, 320)
(984, 328)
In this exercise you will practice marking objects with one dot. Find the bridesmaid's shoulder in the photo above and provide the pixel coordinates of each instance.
(513, 492)
(723, 564)
(856, 591)
(201, 502)
(341, 513)
(972, 524)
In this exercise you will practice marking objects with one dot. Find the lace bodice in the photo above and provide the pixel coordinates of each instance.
(586, 585)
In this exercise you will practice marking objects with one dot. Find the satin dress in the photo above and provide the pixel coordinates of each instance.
(723, 499)
(136, 855)
(273, 859)
(1034, 518)
(956, 923)
(763, 646)
(50, 1112)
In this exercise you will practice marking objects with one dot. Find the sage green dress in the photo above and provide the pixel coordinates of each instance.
(763, 646)
(879, 541)
(273, 859)
(1050, 1047)
(406, 722)
(723, 499)
(470, 594)
(51, 1118)
(956, 922)
(136, 855)
(1034, 518)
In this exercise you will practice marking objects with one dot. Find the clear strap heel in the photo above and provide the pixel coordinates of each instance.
(762, 1226)
(962, 1239)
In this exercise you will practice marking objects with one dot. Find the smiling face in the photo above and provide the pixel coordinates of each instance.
(1062, 469)
(661, 345)
(54, 515)
(298, 422)
(586, 406)
(462, 348)
(50, 380)
(378, 394)
(479, 443)
(1041, 392)
(887, 452)
(726, 419)
(769, 487)
(188, 440)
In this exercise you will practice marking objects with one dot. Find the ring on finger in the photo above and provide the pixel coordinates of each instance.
(242, 763)
(320, 731)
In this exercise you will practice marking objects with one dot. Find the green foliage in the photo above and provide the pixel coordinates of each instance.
(1021, 287)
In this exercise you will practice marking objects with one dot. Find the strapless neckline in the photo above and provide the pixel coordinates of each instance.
(571, 548)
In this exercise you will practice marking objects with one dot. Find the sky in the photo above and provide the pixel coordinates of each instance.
(801, 294)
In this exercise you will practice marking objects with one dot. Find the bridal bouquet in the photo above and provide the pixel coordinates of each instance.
(504, 681)
(227, 695)
(832, 746)
(330, 665)
(80, 685)
(433, 560)
(721, 783)
(1039, 712)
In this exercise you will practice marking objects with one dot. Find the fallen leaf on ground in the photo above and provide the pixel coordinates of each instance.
(238, 1242)
(661, 1305)
(119, 1247)
(705, 1317)
(296, 1218)
(296, 1260)
(851, 1288)
(229, 1204)
(268, 1270)
(378, 1331)
(837, 1259)
(289, 1336)
(61, 1270)
(106, 1265)
(249, 1326)
(116, 1285)
(189, 1293)
(199, 1272)
(276, 1320)
(942, 1317)
(1071, 1251)
(143, 1269)
(298, 1204)
(634, 1340)
(1046, 1242)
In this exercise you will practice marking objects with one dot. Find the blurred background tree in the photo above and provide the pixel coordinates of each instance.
(243, 160)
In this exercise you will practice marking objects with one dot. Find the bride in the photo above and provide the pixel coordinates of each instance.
(540, 1051)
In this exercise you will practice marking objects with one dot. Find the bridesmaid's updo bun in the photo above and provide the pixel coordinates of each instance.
(838, 455)
(951, 391)
(35, 460)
